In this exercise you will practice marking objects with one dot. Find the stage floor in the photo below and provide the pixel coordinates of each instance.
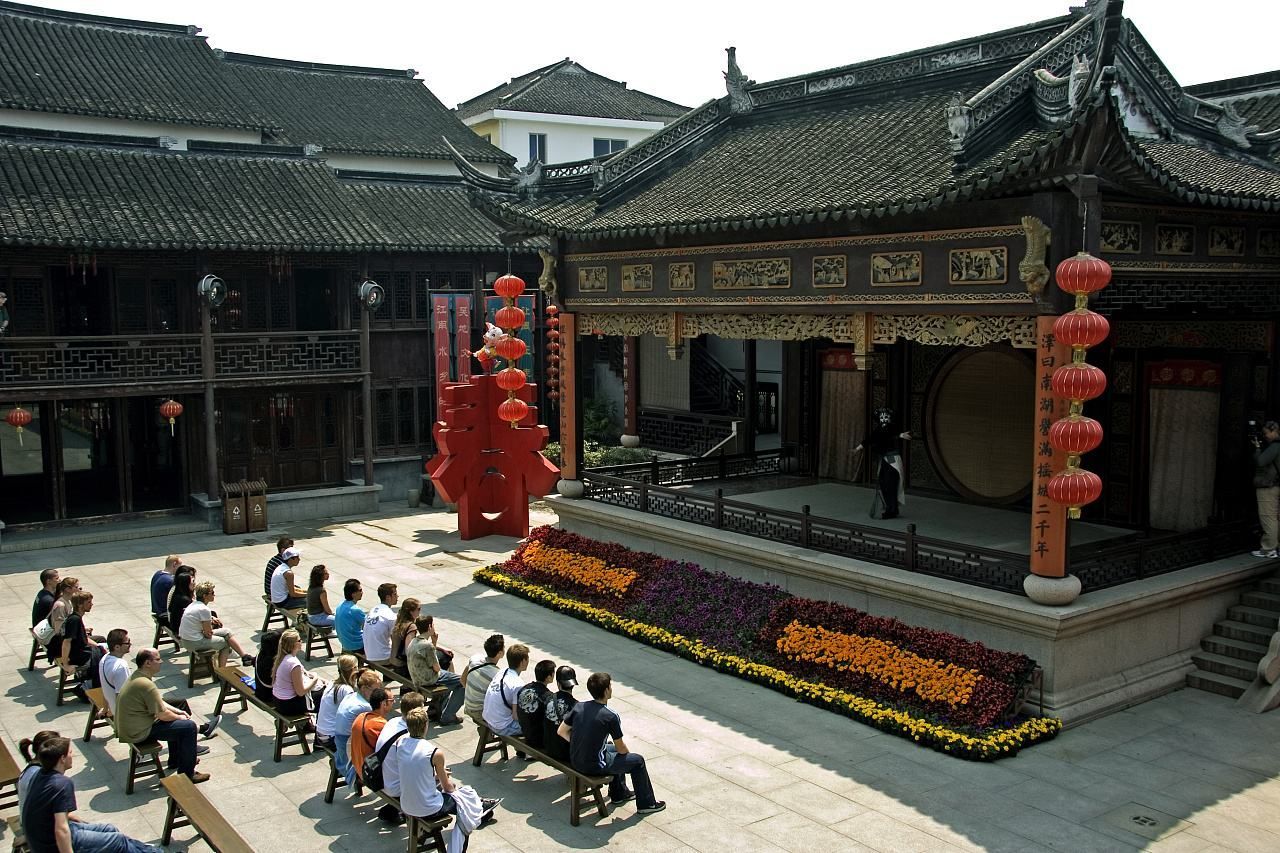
(984, 526)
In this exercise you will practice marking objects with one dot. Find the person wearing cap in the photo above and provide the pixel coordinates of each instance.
(284, 588)
(282, 544)
(529, 701)
(555, 707)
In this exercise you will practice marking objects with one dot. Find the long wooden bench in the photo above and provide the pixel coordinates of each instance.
(274, 614)
(434, 694)
(36, 651)
(423, 834)
(99, 713)
(313, 636)
(583, 785)
(189, 807)
(200, 664)
(289, 730)
(9, 773)
(332, 787)
(164, 636)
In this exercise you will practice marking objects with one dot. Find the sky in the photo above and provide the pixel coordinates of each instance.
(674, 50)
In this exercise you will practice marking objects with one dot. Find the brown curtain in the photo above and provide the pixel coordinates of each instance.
(1183, 441)
(843, 423)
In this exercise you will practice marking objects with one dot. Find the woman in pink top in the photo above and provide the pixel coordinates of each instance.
(291, 683)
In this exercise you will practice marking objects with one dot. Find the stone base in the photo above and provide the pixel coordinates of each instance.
(1103, 652)
(1052, 592)
(630, 440)
(571, 488)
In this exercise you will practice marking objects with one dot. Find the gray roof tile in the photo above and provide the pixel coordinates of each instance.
(566, 88)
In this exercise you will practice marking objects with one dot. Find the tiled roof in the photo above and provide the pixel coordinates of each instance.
(95, 196)
(1262, 110)
(355, 110)
(566, 88)
(1192, 170)
(87, 65)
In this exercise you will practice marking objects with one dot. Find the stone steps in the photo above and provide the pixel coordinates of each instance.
(1227, 662)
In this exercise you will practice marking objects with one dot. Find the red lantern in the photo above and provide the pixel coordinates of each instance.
(553, 372)
(512, 349)
(553, 335)
(509, 318)
(1083, 274)
(18, 418)
(553, 394)
(172, 410)
(553, 311)
(1081, 328)
(553, 358)
(552, 320)
(1079, 381)
(511, 379)
(508, 287)
(1074, 487)
(553, 347)
(1075, 435)
(513, 410)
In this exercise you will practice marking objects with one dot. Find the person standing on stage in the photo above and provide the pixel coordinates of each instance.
(882, 443)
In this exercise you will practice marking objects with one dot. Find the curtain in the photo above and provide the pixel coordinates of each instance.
(1183, 440)
(843, 423)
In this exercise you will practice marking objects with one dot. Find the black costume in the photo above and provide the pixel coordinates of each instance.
(883, 443)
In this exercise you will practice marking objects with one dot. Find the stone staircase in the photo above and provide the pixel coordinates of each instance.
(1228, 659)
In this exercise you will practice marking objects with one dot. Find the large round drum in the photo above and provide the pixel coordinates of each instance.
(980, 418)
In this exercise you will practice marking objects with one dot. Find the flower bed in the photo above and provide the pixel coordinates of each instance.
(938, 689)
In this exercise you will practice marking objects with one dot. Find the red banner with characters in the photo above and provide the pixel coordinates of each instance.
(462, 323)
(440, 346)
(1048, 519)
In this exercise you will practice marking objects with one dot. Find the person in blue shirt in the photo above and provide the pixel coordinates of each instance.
(589, 727)
(348, 619)
(161, 583)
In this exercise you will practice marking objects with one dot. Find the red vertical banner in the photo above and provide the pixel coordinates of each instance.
(569, 461)
(630, 424)
(1048, 519)
(440, 345)
(462, 324)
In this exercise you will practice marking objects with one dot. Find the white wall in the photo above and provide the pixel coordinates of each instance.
(569, 138)
(125, 127)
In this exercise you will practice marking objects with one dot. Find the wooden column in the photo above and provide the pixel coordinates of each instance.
(749, 391)
(208, 373)
(366, 394)
(630, 392)
(570, 422)
(1048, 519)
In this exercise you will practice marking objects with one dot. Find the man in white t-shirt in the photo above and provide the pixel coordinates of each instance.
(378, 625)
(391, 764)
(200, 630)
(284, 584)
(113, 672)
(500, 698)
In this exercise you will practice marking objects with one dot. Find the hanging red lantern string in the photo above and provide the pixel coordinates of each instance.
(172, 410)
(18, 418)
(1078, 381)
(510, 319)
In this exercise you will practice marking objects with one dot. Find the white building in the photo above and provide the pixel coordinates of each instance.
(564, 112)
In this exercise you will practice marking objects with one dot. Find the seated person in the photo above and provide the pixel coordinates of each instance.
(348, 619)
(201, 631)
(500, 699)
(47, 810)
(319, 613)
(425, 671)
(285, 591)
(393, 733)
(282, 544)
(30, 749)
(291, 684)
(337, 690)
(45, 598)
(264, 667)
(403, 632)
(588, 728)
(58, 614)
(427, 790)
(555, 707)
(479, 673)
(367, 726)
(113, 672)
(142, 715)
(161, 583)
(378, 625)
(350, 708)
(79, 652)
(529, 699)
(181, 594)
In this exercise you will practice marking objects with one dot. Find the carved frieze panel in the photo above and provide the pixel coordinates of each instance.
(1226, 241)
(843, 328)
(1175, 239)
(593, 279)
(1202, 334)
(751, 274)
(624, 325)
(1123, 238)
(953, 330)
(896, 269)
(830, 271)
(1268, 243)
(637, 277)
(682, 276)
(979, 266)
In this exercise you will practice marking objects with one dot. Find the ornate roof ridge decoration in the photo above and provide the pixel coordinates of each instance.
(737, 85)
(85, 19)
(315, 67)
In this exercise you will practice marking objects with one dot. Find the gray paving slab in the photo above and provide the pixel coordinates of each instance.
(741, 767)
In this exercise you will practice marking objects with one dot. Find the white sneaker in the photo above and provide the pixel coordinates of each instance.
(1266, 555)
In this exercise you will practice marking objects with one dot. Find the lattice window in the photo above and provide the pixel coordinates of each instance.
(164, 306)
(281, 307)
(402, 296)
(422, 297)
(131, 302)
(255, 296)
(329, 420)
(382, 317)
(384, 419)
(442, 281)
(26, 306)
(405, 410)
(425, 396)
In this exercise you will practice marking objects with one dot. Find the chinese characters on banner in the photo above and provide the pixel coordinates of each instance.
(1048, 519)
(450, 312)
(462, 322)
(440, 345)
(569, 397)
(630, 424)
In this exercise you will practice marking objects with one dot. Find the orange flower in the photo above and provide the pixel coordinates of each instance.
(902, 670)
(589, 572)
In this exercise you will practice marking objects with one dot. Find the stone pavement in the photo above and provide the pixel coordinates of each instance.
(740, 767)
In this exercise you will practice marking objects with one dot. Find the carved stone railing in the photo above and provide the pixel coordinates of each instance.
(309, 353)
(45, 362)
(36, 363)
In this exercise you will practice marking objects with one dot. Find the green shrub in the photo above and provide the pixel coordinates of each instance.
(595, 456)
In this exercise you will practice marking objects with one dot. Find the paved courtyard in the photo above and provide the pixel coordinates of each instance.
(741, 768)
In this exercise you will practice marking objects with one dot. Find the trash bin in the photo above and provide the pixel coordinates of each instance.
(257, 505)
(233, 517)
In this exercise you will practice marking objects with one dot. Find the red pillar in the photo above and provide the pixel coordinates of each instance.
(1048, 519)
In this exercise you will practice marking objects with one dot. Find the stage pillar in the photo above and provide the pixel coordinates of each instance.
(570, 484)
(630, 393)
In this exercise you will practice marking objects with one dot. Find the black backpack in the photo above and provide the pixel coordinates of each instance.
(371, 770)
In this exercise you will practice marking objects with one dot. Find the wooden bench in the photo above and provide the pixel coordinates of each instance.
(165, 636)
(66, 683)
(9, 773)
(274, 614)
(189, 807)
(423, 833)
(19, 837)
(99, 713)
(332, 787)
(314, 636)
(140, 755)
(36, 651)
(434, 694)
(200, 665)
(289, 730)
(583, 785)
